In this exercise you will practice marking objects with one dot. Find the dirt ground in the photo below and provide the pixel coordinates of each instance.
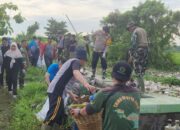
(5, 109)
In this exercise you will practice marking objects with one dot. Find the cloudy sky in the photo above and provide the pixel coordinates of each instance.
(84, 14)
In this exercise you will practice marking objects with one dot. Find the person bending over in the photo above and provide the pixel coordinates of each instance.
(120, 103)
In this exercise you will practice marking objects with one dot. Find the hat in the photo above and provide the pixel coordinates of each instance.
(81, 54)
(130, 24)
(121, 71)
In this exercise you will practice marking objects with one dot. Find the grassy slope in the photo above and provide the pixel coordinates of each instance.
(5, 109)
(29, 102)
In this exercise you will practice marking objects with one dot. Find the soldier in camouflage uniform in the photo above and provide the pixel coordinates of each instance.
(138, 52)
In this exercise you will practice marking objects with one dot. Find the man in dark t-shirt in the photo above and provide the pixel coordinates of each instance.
(4, 48)
(57, 89)
(121, 102)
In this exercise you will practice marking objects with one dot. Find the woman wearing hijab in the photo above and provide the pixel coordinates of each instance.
(13, 63)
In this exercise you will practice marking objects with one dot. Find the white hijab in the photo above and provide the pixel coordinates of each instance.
(14, 54)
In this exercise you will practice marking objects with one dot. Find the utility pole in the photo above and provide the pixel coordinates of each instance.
(71, 24)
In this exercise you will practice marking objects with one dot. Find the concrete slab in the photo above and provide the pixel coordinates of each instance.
(153, 103)
(157, 104)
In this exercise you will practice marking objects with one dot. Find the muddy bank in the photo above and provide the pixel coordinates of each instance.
(5, 109)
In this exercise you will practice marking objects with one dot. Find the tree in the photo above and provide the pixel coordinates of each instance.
(160, 23)
(31, 30)
(5, 26)
(20, 37)
(55, 28)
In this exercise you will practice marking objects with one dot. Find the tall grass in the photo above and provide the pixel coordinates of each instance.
(29, 102)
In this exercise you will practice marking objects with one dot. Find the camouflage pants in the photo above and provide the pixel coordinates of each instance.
(140, 60)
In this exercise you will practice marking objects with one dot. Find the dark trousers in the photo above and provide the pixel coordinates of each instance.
(48, 61)
(12, 76)
(56, 112)
(34, 60)
(95, 58)
(21, 78)
(2, 75)
(60, 51)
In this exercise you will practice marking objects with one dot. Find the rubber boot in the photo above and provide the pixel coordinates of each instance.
(140, 81)
(103, 74)
(46, 127)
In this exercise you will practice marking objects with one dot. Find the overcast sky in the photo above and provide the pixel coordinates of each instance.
(84, 14)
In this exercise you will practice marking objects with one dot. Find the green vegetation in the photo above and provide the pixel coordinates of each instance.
(55, 28)
(35, 74)
(160, 23)
(27, 105)
(153, 77)
(30, 101)
(5, 18)
(31, 30)
(163, 80)
(174, 57)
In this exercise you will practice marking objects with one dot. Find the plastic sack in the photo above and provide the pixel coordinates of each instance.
(41, 115)
(41, 62)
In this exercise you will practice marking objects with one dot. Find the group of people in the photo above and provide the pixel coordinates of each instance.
(15, 57)
(64, 47)
(120, 102)
(37, 50)
(13, 64)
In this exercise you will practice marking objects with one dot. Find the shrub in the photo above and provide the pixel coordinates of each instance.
(30, 99)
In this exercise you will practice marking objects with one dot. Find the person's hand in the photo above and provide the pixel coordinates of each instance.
(104, 55)
(73, 96)
(75, 112)
(90, 88)
(24, 71)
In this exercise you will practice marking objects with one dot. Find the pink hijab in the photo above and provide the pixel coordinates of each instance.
(14, 54)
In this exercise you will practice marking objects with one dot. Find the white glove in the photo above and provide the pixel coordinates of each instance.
(104, 52)
(12, 63)
(92, 44)
(104, 55)
(24, 71)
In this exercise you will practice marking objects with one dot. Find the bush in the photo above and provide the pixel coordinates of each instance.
(174, 57)
(29, 102)
(163, 80)
(35, 74)
(117, 51)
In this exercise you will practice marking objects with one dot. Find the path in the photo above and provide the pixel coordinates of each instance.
(5, 109)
